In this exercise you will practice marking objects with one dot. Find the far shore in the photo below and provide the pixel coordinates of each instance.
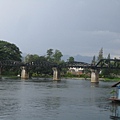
(76, 78)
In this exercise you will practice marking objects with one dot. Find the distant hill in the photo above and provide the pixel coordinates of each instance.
(79, 58)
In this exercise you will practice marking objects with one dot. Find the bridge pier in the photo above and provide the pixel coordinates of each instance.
(24, 73)
(56, 73)
(94, 76)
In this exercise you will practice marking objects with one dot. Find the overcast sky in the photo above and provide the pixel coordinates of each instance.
(71, 26)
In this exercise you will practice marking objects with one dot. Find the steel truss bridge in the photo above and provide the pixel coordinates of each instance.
(102, 64)
(95, 68)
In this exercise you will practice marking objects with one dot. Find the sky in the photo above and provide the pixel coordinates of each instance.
(72, 26)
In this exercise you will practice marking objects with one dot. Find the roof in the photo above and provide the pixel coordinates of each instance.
(116, 84)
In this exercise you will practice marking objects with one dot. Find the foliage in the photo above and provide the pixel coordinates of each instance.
(106, 73)
(53, 57)
(35, 57)
(111, 80)
(57, 56)
(93, 60)
(100, 55)
(41, 75)
(108, 56)
(68, 74)
(37, 70)
(49, 55)
(9, 51)
(71, 59)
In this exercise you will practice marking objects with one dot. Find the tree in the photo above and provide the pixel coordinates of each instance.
(54, 56)
(57, 56)
(93, 60)
(71, 59)
(31, 58)
(100, 56)
(37, 70)
(50, 54)
(9, 51)
(108, 56)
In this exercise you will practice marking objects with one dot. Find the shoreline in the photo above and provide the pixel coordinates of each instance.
(76, 78)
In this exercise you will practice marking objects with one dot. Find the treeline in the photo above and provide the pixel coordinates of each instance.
(10, 51)
(53, 56)
(106, 73)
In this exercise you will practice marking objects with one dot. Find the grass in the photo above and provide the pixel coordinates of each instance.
(111, 79)
(10, 77)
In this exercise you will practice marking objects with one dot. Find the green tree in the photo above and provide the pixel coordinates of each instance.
(38, 70)
(57, 56)
(108, 56)
(100, 55)
(71, 59)
(107, 72)
(50, 55)
(93, 60)
(9, 51)
(31, 58)
(54, 56)
(50, 52)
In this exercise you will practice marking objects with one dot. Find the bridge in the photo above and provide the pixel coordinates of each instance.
(95, 68)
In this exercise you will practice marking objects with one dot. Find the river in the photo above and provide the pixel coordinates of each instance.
(65, 100)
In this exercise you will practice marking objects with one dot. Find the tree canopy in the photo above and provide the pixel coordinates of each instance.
(100, 56)
(57, 56)
(71, 59)
(54, 56)
(9, 51)
(35, 57)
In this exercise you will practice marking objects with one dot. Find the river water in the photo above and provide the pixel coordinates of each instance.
(51, 100)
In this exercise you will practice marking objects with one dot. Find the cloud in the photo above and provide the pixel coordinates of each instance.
(72, 26)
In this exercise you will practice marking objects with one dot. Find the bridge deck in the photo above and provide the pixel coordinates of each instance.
(103, 63)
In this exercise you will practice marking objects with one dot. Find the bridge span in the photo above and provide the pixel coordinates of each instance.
(95, 68)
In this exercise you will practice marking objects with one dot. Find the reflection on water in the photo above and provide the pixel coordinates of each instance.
(51, 103)
(115, 111)
(95, 84)
(52, 100)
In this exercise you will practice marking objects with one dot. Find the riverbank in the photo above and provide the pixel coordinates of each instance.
(100, 79)
(77, 78)
(110, 79)
(9, 77)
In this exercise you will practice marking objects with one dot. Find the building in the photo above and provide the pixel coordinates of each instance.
(76, 71)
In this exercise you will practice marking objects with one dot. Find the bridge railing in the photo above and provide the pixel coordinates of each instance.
(11, 63)
(103, 63)
(108, 63)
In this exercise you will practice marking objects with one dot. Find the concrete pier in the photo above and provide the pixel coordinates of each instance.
(24, 73)
(94, 76)
(56, 73)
